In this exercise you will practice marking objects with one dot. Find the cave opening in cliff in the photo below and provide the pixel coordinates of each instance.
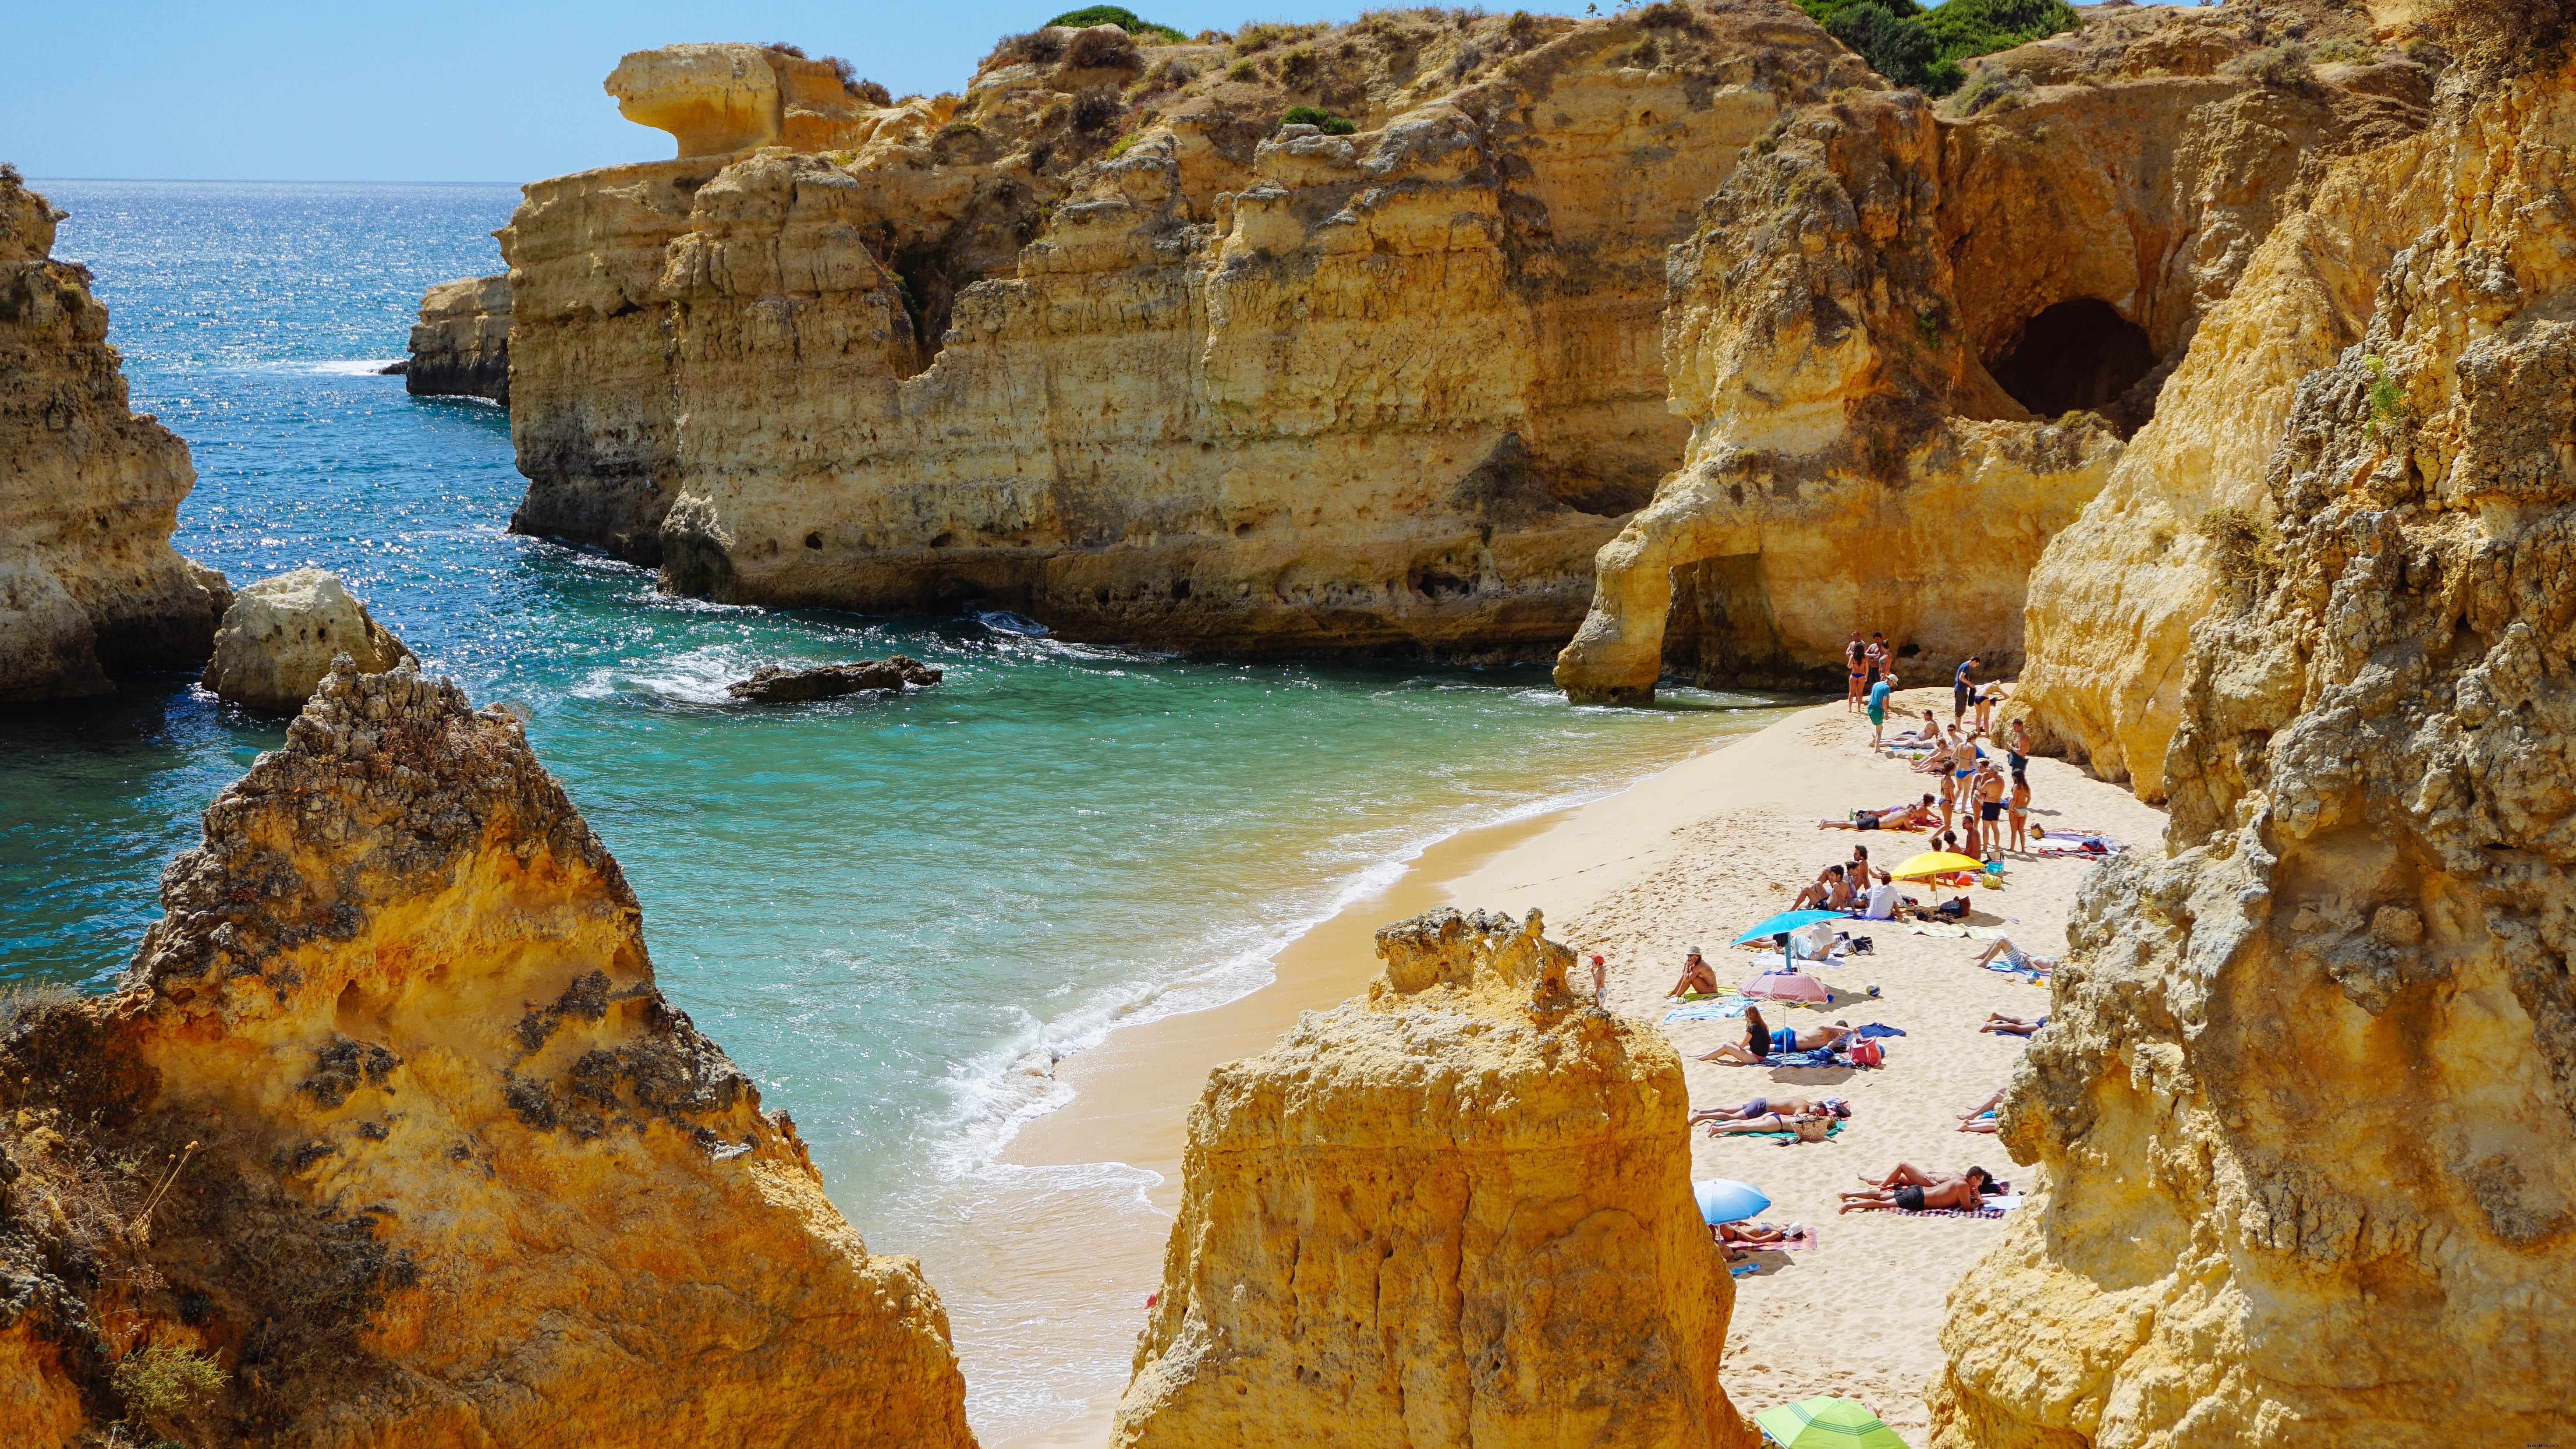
(2077, 356)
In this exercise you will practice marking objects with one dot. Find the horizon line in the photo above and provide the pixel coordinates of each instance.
(276, 180)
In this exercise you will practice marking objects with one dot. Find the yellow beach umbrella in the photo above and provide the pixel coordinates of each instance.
(1825, 1422)
(1935, 862)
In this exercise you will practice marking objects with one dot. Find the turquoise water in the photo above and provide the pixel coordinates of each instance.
(894, 914)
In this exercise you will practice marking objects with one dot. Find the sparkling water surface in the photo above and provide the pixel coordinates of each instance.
(886, 911)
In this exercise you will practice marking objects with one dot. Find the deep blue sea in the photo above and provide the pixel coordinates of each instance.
(878, 907)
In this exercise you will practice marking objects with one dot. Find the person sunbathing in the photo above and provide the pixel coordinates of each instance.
(1917, 816)
(1982, 1117)
(1911, 1189)
(1785, 1040)
(2004, 1025)
(2014, 957)
(1764, 1106)
(1697, 978)
(1774, 1122)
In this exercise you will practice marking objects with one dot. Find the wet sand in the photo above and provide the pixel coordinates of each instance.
(1690, 856)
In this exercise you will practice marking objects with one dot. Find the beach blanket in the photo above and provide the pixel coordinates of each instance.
(1833, 1129)
(1991, 1207)
(1878, 1029)
(1819, 1057)
(1738, 1270)
(1709, 1008)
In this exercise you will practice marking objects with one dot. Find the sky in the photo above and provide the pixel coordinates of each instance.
(467, 90)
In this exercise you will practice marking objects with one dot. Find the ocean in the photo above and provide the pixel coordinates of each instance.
(887, 911)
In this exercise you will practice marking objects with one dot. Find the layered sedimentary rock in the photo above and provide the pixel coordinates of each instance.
(2308, 1091)
(1101, 343)
(89, 490)
(461, 345)
(1911, 341)
(390, 1121)
(282, 634)
(1455, 1211)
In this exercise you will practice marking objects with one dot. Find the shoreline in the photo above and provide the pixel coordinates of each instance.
(1688, 855)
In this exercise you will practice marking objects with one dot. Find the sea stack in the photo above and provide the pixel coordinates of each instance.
(1454, 1211)
(2306, 1101)
(461, 345)
(89, 490)
(430, 1161)
(281, 635)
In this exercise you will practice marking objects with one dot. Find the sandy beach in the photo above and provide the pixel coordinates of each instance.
(1693, 856)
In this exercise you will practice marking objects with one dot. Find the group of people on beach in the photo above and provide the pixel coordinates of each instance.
(1981, 809)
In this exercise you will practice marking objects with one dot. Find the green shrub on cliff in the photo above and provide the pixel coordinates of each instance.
(1922, 48)
(1122, 17)
(1316, 116)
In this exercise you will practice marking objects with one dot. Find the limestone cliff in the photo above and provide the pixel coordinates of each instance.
(454, 1171)
(89, 490)
(1911, 340)
(2307, 1094)
(461, 345)
(1104, 343)
(282, 635)
(1454, 1211)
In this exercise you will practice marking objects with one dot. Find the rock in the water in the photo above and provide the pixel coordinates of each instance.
(1455, 1211)
(461, 345)
(442, 1167)
(89, 490)
(281, 634)
(2307, 1099)
(778, 685)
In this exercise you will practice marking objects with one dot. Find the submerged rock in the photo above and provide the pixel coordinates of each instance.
(778, 685)
(2308, 1093)
(281, 635)
(1454, 1211)
(440, 1166)
(89, 489)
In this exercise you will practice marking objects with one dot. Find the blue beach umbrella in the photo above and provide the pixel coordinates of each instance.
(1787, 921)
(1724, 1200)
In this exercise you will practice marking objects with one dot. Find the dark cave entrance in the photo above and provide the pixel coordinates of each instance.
(2077, 356)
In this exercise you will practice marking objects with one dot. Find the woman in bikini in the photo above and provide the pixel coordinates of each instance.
(1697, 978)
(2019, 804)
(1851, 663)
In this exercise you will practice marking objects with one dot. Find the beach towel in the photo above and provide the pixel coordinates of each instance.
(1983, 1212)
(1877, 1029)
(1936, 928)
(1738, 1270)
(1819, 1057)
(1709, 1008)
(1831, 1129)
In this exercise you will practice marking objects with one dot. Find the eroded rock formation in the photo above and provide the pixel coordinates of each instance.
(282, 634)
(1911, 340)
(89, 490)
(456, 1173)
(776, 684)
(2307, 1094)
(461, 345)
(1455, 1211)
(1094, 343)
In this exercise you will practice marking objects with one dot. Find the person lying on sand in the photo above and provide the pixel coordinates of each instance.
(1775, 1122)
(1982, 1117)
(1697, 978)
(1911, 1189)
(1783, 1041)
(2015, 958)
(1765, 1106)
(2004, 1025)
(1917, 816)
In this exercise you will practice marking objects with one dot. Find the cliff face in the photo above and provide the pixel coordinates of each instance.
(457, 1173)
(2306, 1097)
(1455, 1211)
(89, 491)
(461, 345)
(1911, 343)
(1379, 392)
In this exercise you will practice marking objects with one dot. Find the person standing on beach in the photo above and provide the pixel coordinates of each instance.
(1962, 684)
(1990, 807)
(2019, 803)
(1852, 667)
(1878, 694)
(1987, 699)
(1874, 659)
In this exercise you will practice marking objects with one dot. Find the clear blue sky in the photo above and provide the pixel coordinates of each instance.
(469, 90)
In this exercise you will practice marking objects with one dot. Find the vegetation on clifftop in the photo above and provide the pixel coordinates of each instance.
(1916, 47)
(1122, 17)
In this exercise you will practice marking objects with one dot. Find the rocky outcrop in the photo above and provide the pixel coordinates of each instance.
(1102, 343)
(1457, 1210)
(1911, 341)
(776, 684)
(89, 490)
(461, 345)
(716, 99)
(2306, 1098)
(283, 634)
(390, 1127)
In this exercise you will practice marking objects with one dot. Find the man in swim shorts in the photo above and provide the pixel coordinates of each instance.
(1878, 693)
(1911, 1189)
(1962, 684)
(1990, 808)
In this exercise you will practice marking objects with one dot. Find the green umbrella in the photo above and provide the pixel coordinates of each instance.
(1827, 1423)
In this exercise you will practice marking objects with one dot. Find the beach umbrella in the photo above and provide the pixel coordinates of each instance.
(1724, 1200)
(1788, 986)
(1935, 862)
(1787, 921)
(1826, 1421)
